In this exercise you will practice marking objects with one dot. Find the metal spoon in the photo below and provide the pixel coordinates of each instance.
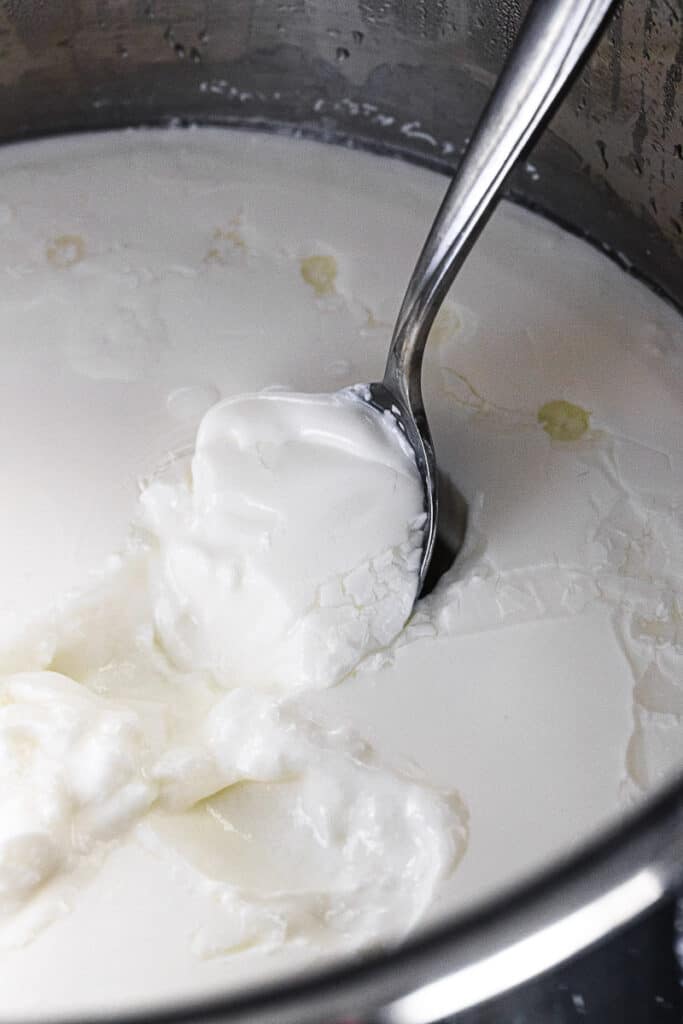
(550, 44)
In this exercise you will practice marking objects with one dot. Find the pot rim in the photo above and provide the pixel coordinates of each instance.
(510, 938)
(618, 873)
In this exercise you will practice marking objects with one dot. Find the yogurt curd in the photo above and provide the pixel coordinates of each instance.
(288, 550)
(190, 562)
(295, 548)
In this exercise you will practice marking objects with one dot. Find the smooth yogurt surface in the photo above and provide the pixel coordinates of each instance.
(190, 562)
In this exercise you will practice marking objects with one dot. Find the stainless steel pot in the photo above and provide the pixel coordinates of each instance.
(407, 78)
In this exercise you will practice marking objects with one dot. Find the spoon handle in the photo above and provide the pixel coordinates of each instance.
(549, 45)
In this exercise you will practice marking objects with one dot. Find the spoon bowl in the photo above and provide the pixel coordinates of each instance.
(415, 429)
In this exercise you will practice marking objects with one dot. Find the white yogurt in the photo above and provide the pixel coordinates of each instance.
(284, 554)
(210, 815)
(294, 547)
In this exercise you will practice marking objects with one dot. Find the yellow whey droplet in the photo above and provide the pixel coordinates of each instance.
(65, 250)
(231, 234)
(320, 272)
(563, 421)
(226, 241)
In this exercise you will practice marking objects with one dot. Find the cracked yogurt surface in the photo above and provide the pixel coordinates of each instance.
(224, 753)
(292, 548)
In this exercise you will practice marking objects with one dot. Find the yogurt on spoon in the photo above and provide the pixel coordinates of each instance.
(283, 553)
(291, 549)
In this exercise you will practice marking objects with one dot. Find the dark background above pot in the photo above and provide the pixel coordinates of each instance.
(405, 76)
